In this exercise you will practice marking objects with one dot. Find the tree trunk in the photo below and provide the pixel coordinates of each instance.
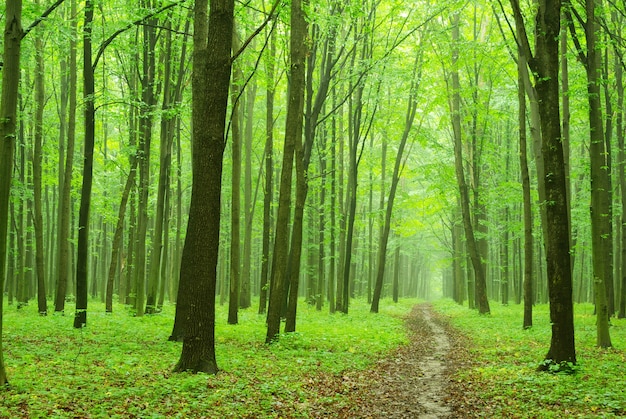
(269, 171)
(395, 178)
(292, 130)
(195, 308)
(528, 216)
(80, 317)
(37, 177)
(118, 235)
(146, 108)
(600, 192)
(246, 277)
(235, 205)
(8, 117)
(619, 127)
(558, 263)
(65, 209)
(455, 104)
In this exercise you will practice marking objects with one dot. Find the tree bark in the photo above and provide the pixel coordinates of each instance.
(80, 317)
(8, 119)
(528, 216)
(455, 108)
(235, 202)
(269, 171)
(293, 129)
(195, 308)
(40, 93)
(545, 65)
(63, 267)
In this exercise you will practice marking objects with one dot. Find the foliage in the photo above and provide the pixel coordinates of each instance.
(120, 366)
(505, 357)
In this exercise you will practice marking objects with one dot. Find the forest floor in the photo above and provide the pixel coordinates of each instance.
(416, 381)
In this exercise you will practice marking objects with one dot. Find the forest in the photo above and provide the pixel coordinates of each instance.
(286, 196)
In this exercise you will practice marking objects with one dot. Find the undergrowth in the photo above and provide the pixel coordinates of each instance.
(504, 373)
(120, 366)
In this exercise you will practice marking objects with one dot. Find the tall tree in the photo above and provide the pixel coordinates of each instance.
(195, 309)
(269, 171)
(601, 240)
(545, 66)
(8, 124)
(395, 179)
(63, 268)
(80, 317)
(528, 216)
(455, 110)
(293, 134)
(235, 193)
(40, 98)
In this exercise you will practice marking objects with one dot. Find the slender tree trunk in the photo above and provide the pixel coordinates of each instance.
(395, 178)
(80, 317)
(600, 192)
(292, 130)
(455, 104)
(37, 177)
(246, 279)
(119, 234)
(619, 127)
(165, 162)
(235, 205)
(269, 171)
(528, 216)
(65, 208)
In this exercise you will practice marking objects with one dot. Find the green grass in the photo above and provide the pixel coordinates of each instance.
(507, 356)
(120, 366)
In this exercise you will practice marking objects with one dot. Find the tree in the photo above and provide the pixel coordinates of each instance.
(80, 317)
(528, 216)
(545, 66)
(395, 178)
(601, 239)
(8, 119)
(195, 309)
(472, 245)
(63, 269)
(293, 131)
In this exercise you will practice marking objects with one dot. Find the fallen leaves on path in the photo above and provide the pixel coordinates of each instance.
(400, 386)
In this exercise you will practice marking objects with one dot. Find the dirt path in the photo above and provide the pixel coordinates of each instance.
(414, 382)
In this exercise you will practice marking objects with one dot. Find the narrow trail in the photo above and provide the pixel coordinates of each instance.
(413, 382)
(433, 368)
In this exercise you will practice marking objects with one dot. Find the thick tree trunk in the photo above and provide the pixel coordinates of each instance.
(195, 308)
(8, 119)
(546, 67)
